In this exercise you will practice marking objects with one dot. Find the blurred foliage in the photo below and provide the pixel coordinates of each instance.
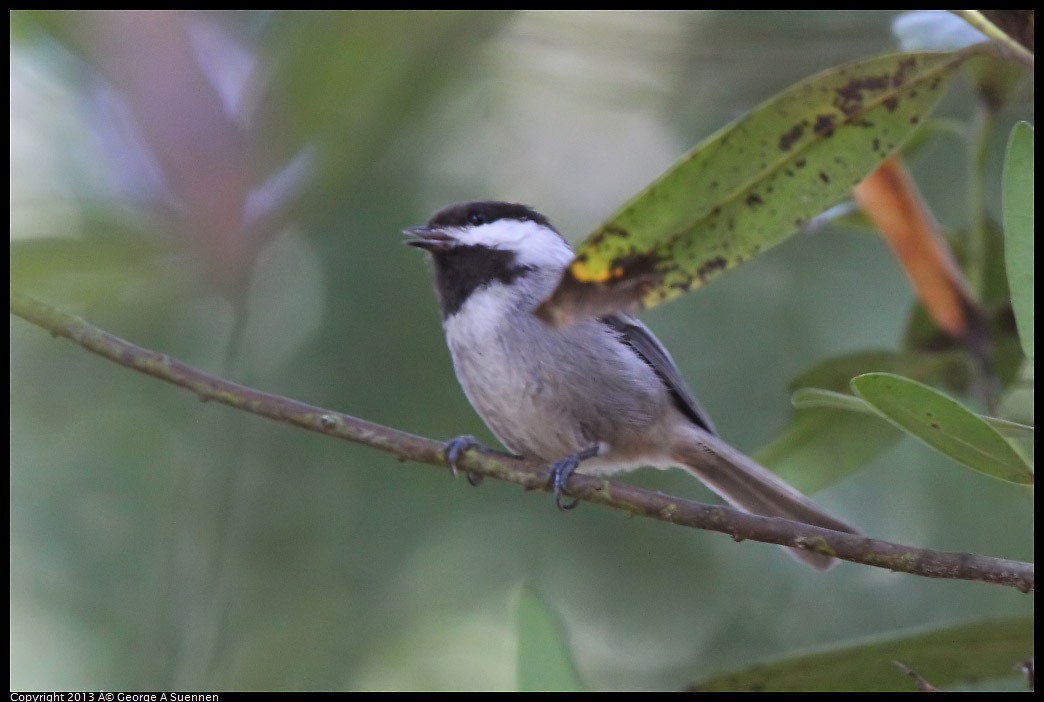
(943, 657)
(228, 187)
(544, 655)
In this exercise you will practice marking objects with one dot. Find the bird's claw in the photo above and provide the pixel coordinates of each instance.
(560, 473)
(457, 447)
(561, 470)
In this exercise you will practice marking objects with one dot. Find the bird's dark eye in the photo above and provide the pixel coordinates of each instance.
(476, 218)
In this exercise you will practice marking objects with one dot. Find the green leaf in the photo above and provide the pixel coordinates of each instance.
(944, 657)
(824, 443)
(820, 447)
(808, 398)
(545, 661)
(944, 424)
(811, 398)
(1018, 228)
(753, 183)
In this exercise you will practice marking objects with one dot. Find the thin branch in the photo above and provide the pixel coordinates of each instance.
(922, 684)
(1008, 46)
(739, 525)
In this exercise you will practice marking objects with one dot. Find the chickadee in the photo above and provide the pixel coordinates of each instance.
(600, 396)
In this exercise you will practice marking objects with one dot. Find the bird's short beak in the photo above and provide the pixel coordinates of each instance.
(428, 239)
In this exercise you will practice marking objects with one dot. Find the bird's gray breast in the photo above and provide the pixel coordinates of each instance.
(547, 393)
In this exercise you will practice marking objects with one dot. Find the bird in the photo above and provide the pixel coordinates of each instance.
(600, 396)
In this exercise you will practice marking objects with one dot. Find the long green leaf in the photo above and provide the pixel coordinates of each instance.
(944, 424)
(753, 183)
(944, 657)
(811, 398)
(807, 398)
(1018, 229)
(545, 661)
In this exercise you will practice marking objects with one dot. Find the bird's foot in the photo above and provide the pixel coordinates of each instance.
(561, 470)
(457, 447)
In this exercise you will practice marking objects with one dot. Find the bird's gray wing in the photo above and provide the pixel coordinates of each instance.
(648, 347)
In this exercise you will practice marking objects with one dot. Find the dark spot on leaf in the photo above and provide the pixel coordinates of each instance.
(716, 211)
(800, 221)
(876, 144)
(905, 66)
(891, 103)
(714, 183)
(934, 425)
(934, 85)
(850, 96)
(915, 119)
(913, 93)
(863, 123)
(800, 163)
(731, 224)
(824, 125)
(753, 200)
(788, 139)
(824, 177)
(715, 264)
(789, 172)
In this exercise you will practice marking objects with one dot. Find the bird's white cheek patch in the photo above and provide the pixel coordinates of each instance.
(533, 244)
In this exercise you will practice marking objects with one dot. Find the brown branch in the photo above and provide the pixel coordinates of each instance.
(739, 525)
(922, 684)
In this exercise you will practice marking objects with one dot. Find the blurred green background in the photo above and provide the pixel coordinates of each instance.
(229, 188)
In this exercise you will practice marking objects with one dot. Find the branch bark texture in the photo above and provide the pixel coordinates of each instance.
(739, 525)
